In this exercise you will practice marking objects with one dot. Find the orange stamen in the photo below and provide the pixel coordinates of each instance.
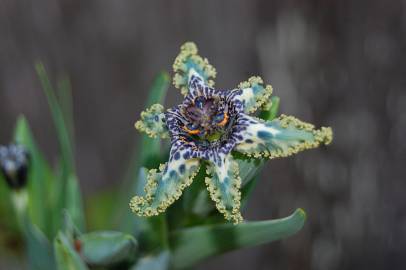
(224, 121)
(192, 132)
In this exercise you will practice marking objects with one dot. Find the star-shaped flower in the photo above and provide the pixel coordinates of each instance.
(207, 126)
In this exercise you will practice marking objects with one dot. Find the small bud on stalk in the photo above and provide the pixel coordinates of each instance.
(14, 162)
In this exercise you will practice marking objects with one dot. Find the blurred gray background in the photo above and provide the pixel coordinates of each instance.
(337, 63)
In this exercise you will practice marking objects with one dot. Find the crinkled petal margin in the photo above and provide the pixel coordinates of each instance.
(165, 186)
(153, 122)
(224, 186)
(188, 62)
(254, 94)
(281, 137)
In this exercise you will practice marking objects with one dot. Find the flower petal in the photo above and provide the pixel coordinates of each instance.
(281, 137)
(189, 63)
(165, 185)
(224, 187)
(253, 94)
(153, 122)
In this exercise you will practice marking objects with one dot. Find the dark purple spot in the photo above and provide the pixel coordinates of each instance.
(264, 135)
(182, 169)
(173, 174)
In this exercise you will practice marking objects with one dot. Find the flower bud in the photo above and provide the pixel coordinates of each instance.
(14, 162)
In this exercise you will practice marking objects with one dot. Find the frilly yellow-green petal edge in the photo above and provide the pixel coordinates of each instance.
(233, 214)
(143, 205)
(261, 97)
(324, 135)
(188, 51)
(153, 122)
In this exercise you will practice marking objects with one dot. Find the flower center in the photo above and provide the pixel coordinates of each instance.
(208, 118)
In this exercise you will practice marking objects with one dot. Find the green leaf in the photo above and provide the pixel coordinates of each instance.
(6, 210)
(66, 256)
(40, 179)
(157, 262)
(68, 227)
(39, 249)
(66, 102)
(192, 245)
(247, 190)
(158, 89)
(273, 111)
(194, 206)
(74, 202)
(68, 188)
(58, 118)
(106, 248)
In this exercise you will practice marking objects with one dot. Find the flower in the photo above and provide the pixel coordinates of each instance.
(14, 161)
(207, 126)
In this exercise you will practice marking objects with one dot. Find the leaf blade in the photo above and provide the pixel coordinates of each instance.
(106, 248)
(218, 239)
(157, 262)
(67, 188)
(39, 179)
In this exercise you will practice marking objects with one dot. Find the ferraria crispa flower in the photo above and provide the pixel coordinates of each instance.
(206, 127)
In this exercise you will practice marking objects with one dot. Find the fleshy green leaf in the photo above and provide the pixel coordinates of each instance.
(157, 262)
(66, 256)
(193, 245)
(39, 179)
(105, 248)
